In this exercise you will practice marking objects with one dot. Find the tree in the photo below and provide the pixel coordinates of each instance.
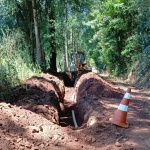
(114, 24)
(143, 38)
(37, 35)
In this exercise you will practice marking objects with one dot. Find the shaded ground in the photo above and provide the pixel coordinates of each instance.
(37, 119)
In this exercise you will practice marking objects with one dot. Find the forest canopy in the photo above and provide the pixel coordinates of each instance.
(40, 35)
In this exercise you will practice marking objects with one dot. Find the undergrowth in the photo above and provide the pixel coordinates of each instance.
(15, 63)
(142, 72)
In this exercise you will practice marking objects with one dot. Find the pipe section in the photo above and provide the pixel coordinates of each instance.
(73, 113)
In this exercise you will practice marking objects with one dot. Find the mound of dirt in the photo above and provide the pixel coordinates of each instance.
(58, 85)
(64, 76)
(90, 89)
(42, 95)
(97, 85)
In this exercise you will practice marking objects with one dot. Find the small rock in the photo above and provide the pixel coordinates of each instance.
(36, 148)
(9, 106)
(70, 140)
(117, 144)
(22, 116)
(35, 130)
(21, 147)
(14, 114)
(47, 144)
(14, 140)
(117, 133)
(18, 140)
(41, 128)
(28, 145)
(93, 140)
(12, 147)
(76, 140)
(56, 144)
(62, 137)
(124, 139)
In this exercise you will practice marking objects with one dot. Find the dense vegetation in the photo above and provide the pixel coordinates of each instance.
(40, 35)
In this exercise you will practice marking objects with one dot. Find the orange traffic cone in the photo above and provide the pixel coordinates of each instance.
(121, 113)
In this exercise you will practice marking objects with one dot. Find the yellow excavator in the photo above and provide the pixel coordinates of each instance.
(78, 58)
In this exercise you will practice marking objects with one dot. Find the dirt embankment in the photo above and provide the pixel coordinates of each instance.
(42, 95)
(90, 88)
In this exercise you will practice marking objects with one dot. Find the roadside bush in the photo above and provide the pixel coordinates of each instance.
(15, 63)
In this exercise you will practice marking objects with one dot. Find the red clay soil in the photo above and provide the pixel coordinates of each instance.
(35, 120)
(90, 87)
(42, 96)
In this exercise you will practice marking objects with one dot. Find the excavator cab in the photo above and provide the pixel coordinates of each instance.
(78, 58)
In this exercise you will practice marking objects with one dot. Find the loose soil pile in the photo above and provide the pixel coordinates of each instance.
(42, 96)
(40, 117)
(90, 88)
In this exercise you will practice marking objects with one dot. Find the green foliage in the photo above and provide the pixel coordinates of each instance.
(15, 63)
(142, 70)
(114, 25)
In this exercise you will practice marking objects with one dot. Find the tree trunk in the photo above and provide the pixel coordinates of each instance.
(66, 41)
(53, 61)
(66, 49)
(37, 35)
(31, 28)
(53, 66)
(64, 56)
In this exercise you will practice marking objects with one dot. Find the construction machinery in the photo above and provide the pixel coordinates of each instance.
(78, 58)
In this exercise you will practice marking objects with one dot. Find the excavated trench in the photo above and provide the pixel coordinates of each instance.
(25, 126)
(46, 96)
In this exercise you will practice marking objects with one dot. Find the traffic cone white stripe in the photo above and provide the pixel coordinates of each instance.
(127, 95)
(123, 107)
(121, 113)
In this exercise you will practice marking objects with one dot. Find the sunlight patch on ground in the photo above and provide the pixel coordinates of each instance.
(142, 130)
(91, 121)
(141, 97)
(112, 106)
